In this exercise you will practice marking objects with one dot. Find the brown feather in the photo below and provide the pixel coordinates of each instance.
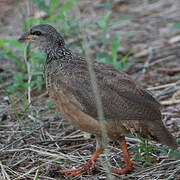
(127, 107)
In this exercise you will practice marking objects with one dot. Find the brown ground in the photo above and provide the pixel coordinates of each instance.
(44, 136)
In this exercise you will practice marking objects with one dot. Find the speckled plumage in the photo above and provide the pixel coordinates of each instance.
(127, 107)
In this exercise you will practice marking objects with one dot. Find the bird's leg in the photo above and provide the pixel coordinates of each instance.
(86, 167)
(126, 156)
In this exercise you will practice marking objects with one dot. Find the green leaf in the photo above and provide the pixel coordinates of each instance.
(176, 26)
(29, 22)
(15, 44)
(2, 53)
(91, 26)
(3, 45)
(53, 5)
(101, 24)
(11, 55)
(103, 57)
(37, 174)
(38, 57)
(115, 47)
(36, 73)
(124, 59)
(66, 6)
(170, 177)
(41, 5)
(108, 6)
(50, 104)
(176, 154)
(161, 149)
(18, 77)
(18, 83)
(106, 17)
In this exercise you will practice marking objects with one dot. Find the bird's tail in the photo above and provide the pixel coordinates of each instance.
(159, 131)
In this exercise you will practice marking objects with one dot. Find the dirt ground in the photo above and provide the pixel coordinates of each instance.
(40, 140)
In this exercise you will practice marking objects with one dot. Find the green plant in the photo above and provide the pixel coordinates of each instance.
(110, 43)
(10, 54)
(37, 174)
(144, 152)
(28, 75)
(119, 64)
(176, 26)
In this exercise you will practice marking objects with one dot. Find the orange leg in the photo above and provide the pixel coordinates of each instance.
(126, 156)
(86, 167)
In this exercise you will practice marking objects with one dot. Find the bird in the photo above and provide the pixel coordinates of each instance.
(127, 107)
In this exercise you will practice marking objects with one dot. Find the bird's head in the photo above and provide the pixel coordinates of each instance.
(44, 35)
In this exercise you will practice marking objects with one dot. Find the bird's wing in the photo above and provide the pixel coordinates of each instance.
(121, 97)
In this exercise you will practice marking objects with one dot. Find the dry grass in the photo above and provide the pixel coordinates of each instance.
(45, 141)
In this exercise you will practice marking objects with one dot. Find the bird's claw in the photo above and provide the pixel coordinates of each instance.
(86, 167)
(79, 170)
(128, 168)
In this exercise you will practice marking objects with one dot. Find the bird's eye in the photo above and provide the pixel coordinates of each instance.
(37, 33)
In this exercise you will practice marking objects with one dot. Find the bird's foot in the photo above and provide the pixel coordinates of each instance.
(86, 167)
(125, 170)
(79, 170)
(126, 156)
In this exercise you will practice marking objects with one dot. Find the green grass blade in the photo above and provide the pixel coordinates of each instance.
(41, 5)
(53, 5)
(124, 59)
(176, 26)
(15, 44)
(66, 6)
(11, 55)
(115, 47)
(36, 177)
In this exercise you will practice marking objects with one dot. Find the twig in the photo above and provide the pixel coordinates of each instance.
(169, 70)
(162, 60)
(164, 86)
(4, 173)
(39, 97)
(146, 65)
(155, 167)
(9, 132)
(99, 108)
(170, 102)
(25, 136)
(61, 140)
(28, 72)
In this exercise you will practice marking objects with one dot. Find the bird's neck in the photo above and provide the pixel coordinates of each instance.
(58, 53)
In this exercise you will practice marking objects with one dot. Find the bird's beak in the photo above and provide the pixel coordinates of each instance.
(25, 36)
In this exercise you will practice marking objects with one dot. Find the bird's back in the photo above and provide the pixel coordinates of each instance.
(127, 107)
